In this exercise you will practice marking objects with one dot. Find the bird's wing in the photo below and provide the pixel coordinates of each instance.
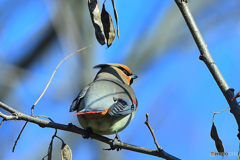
(77, 100)
(122, 106)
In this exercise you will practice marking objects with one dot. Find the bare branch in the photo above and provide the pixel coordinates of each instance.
(72, 128)
(7, 117)
(221, 111)
(206, 57)
(7, 108)
(152, 132)
(49, 154)
(19, 137)
(2, 122)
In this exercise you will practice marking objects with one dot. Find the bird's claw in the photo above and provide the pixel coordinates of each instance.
(87, 133)
(116, 139)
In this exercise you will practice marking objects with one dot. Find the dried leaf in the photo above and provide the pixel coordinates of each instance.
(66, 152)
(108, 26)
(214, 133)
(218, 142)
(95, 14)
(116, 18)
(219, 146)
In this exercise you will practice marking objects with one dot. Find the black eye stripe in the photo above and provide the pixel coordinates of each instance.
(124, 71)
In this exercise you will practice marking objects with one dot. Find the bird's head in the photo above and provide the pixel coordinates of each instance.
(118, 71)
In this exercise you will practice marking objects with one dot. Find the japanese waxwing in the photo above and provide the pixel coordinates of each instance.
(108, 104)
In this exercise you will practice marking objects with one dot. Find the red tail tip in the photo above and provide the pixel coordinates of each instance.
(90, 112)
(78, 113)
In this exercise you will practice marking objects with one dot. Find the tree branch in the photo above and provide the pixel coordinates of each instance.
(152, 132)
(16, 115)
(19, 136)
(206, 57)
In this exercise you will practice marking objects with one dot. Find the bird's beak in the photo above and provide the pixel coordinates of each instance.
(133, 76)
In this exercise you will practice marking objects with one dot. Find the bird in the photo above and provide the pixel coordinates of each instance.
(108, 104)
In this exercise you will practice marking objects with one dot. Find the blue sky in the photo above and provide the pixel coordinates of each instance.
(173, 85)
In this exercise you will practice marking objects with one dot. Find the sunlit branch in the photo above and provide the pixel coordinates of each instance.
(206, 57)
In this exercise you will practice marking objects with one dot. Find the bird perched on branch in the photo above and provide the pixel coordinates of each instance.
(108, 104)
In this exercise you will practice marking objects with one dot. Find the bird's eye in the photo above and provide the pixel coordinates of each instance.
(125, 72)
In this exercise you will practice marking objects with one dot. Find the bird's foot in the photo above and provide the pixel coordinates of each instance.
(116, 139)
(87, 133)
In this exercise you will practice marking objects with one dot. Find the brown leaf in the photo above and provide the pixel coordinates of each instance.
(96, 21)
(108, 26)
(116, 18)
(66, 152)
(218, 142)
(219, 146)
(214, 133)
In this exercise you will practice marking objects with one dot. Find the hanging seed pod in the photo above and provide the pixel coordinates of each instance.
(96, 21)
(116, 18)
(218, 142)
(108, 26)
(66, 152)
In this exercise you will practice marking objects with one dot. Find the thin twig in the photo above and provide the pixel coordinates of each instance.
(152, 132)
(32, 108)
(49, 154)
(213, 118)
(60, 139)
(236, 96)
(18, 137)
(45, 117)
(220, 111)
(44, 157)
(2, 122)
